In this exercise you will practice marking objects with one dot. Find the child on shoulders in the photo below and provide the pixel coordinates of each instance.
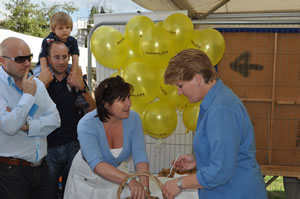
(61, 26)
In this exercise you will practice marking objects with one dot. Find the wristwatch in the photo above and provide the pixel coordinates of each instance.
(179, 183)
(27, 126)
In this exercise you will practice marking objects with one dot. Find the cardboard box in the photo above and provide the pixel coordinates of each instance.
(263, 69)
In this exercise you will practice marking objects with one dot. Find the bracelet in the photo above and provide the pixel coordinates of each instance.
(132, 178)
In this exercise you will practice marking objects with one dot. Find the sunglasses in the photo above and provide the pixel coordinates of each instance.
(20, 59)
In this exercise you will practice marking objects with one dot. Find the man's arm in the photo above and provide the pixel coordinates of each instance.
(77, 81)
(49, 120)
(13, 118)
(90, 100)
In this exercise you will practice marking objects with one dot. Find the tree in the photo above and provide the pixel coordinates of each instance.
(32, 19)
(96, 9)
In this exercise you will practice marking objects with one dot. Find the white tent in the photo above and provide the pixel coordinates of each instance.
(35, 44)
(201, 8)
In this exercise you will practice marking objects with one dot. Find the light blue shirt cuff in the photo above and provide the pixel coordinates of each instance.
(27, 100)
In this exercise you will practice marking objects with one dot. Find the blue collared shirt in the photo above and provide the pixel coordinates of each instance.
(224, 146)
(40, 112)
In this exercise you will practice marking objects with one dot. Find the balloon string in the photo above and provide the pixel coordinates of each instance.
(174, 164)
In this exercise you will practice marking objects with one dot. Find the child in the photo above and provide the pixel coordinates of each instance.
(61, 26)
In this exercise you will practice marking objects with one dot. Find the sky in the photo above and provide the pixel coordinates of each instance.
(118, 6)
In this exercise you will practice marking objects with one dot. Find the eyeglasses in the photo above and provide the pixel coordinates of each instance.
(58, 58)
(20, 59)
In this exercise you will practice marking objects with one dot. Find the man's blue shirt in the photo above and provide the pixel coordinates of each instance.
(40, 112)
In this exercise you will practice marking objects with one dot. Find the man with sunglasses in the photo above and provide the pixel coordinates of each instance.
(27, 117)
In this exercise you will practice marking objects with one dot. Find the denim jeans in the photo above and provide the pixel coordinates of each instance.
(59, 160)
(24, 182)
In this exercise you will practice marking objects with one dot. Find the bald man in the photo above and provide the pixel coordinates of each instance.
(27, 116)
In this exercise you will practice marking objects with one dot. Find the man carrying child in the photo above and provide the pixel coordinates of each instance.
(61, 26)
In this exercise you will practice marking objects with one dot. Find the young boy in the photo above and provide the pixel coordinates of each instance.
(61, 26)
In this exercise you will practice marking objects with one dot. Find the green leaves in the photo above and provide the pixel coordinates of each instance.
(33, 19)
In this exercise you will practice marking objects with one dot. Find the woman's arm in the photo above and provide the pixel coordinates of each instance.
(110, 172)
(143, 167)
(223, 136)
(113, 174)
(171, 188)
(190, 182)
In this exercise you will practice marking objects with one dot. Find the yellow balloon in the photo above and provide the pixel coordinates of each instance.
(156, 47)
(135, 29)
(144, 80)
(159, 119)
(139, 108)
(190, 116)
(169, 93)
(159, 24)
(209, 41)
(108, 46)
(131, 56)
(180, 27)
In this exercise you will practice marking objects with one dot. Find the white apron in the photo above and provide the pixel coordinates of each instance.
(83, 183)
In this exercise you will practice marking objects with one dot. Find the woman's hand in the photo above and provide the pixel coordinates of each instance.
(137, 190)
(185, 162)
(170, 189)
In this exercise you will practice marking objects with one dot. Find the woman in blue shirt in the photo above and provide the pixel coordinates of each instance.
(109, 136)
(224, 143)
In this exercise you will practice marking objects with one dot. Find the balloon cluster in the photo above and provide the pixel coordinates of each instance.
(141, 56)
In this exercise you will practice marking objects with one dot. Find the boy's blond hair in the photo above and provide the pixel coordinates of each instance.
(60, 18)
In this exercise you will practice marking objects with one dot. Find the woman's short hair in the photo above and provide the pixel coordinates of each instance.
(60, 18)
(109, 90)
(186, 64)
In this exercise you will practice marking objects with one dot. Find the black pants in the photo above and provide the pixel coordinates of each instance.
(24, 182)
